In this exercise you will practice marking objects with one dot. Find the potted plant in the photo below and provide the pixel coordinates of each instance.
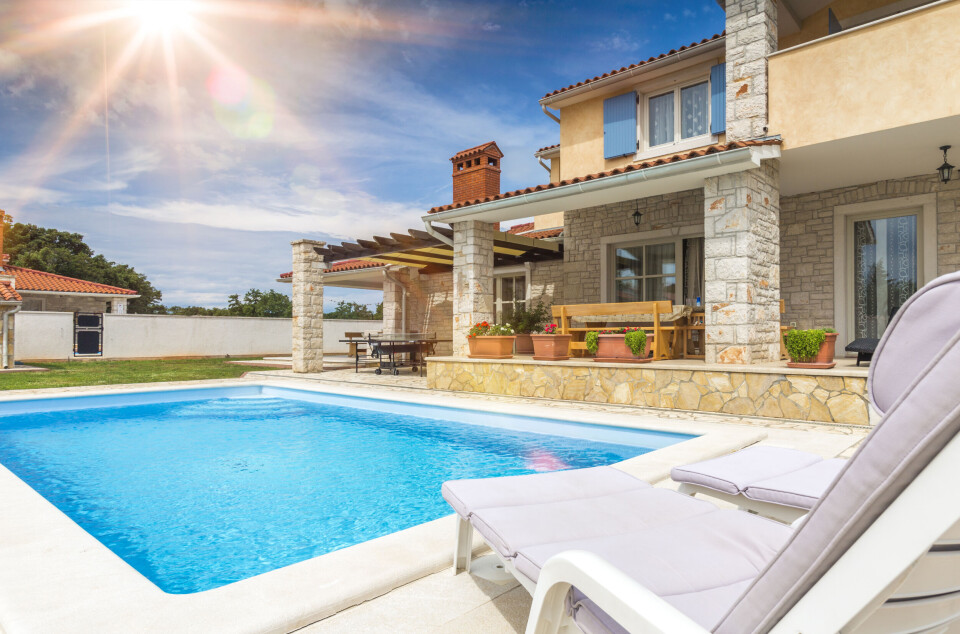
(550, 346)
(619, 345)
(811, 348)
(490, 341)
(526, 322)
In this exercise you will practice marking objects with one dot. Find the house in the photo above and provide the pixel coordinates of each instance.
(23, 289)
(793, 156)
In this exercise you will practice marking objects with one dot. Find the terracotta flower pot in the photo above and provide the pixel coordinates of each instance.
(550, 347)
(615, 348)
(491, 347)
(524, 344)
(824, 359)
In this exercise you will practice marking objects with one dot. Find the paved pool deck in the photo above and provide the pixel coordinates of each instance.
(416, 591)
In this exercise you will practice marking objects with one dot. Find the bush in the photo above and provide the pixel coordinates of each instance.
(526, 321)
(803, 345)
(636, 340)
(593, 341)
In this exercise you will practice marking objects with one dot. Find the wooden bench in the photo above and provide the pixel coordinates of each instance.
(353, 347)
(664, 337)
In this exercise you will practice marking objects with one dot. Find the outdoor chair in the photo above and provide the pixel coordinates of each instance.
(879, 551)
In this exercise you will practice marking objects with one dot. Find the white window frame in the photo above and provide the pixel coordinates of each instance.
(924, 206)
(609, 244)
(509, 271)
(678, 144)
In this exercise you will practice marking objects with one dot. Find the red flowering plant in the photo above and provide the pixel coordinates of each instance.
(486, 329)
(550, 329)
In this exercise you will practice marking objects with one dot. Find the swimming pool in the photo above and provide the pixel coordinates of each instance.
(199, 488)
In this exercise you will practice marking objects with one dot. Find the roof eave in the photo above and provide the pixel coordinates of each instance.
(555, 101)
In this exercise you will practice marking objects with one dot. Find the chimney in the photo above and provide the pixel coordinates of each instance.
(476, 172)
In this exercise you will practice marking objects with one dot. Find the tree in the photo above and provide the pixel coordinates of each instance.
(353, 310)
(65, 253)
(257, 303)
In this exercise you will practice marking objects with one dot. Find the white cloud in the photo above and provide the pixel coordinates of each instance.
(670, 17)
(490, 26)
(689, 13)
(621, 42)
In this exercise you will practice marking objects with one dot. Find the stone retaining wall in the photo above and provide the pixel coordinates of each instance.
(823, 398)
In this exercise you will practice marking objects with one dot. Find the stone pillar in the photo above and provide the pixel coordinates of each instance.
(742, 265)
(308, 267)
(472, 279)
(751, 36)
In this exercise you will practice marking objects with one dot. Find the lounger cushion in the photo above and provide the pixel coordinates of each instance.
(735, 472)
(701, 564)
(467, 496)
(510, 528)
(914, 430)
(801, 488)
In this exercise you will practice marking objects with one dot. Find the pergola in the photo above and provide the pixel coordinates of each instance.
(419, 249)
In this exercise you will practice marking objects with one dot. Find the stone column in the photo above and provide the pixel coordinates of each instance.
(742, 265)
(472, 279)
(308, 268)
(751, 36)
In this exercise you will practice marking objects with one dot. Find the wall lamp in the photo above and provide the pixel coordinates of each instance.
(637, 216)
(945, 170)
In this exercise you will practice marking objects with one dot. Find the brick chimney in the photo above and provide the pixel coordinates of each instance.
(476, 172)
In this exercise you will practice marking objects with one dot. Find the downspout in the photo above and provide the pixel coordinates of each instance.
(544, 165)
(6, 334)
(548, 113)
(436, 234)
(403, 300)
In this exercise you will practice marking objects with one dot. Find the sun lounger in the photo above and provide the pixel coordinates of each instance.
(881, 546)
(773, 481)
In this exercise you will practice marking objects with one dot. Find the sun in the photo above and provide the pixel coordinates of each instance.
(162, 16)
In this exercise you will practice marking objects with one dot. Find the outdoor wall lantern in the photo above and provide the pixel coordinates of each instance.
(637, 216)
(945, 170)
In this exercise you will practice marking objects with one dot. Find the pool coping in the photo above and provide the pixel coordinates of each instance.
(54, 576)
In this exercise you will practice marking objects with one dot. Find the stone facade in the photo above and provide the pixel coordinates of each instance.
(742, 266)
(472, 279)
(584, 229)
(813, 397)
(308, 269)
(807, 241)
(429, 305)
(546, 283)
(751, 36)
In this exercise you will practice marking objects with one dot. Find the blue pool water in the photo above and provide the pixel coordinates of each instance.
(200, 488)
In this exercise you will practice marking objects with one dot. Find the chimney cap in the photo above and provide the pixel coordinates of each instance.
(489, 148)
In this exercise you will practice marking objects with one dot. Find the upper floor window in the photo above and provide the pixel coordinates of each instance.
(681, 115)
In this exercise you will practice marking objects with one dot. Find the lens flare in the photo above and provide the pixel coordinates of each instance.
(162, 15)
(245, 106)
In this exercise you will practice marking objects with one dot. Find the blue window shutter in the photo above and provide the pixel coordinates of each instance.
(620, 125)
(718, 98)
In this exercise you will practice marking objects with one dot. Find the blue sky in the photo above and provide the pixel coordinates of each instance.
(328, 120)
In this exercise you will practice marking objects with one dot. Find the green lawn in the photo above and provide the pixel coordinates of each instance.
(72, 373)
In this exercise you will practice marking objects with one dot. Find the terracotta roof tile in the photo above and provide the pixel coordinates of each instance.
(624, 69)
(475, 150)
(346, 265)
(544, 233)
(31, 280)
(632, 167)
(526, 226)
(549, 147)
(7, 293)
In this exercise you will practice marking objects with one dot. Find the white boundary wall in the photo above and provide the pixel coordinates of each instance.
(49, 336)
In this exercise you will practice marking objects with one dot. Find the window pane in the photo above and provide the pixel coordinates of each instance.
(661, 119)
(629, 262)
(627, 291)
(660, 288)
(693, 110)
(884, 271)
(506, 287)
(520, 288)
(505, 314)
(661, 259)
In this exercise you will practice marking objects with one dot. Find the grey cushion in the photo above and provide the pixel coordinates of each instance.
(466, 496)
(801, 488)
(735, 472)
(913, 338)
(916, 427)
(701, 564)
(508, 529)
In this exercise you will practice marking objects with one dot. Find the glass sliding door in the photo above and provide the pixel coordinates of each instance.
(885, 270)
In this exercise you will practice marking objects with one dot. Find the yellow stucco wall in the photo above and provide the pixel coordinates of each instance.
(548, 221)
(892, 74)
(581, 140)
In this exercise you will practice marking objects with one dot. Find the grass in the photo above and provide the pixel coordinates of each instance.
(71, 373)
